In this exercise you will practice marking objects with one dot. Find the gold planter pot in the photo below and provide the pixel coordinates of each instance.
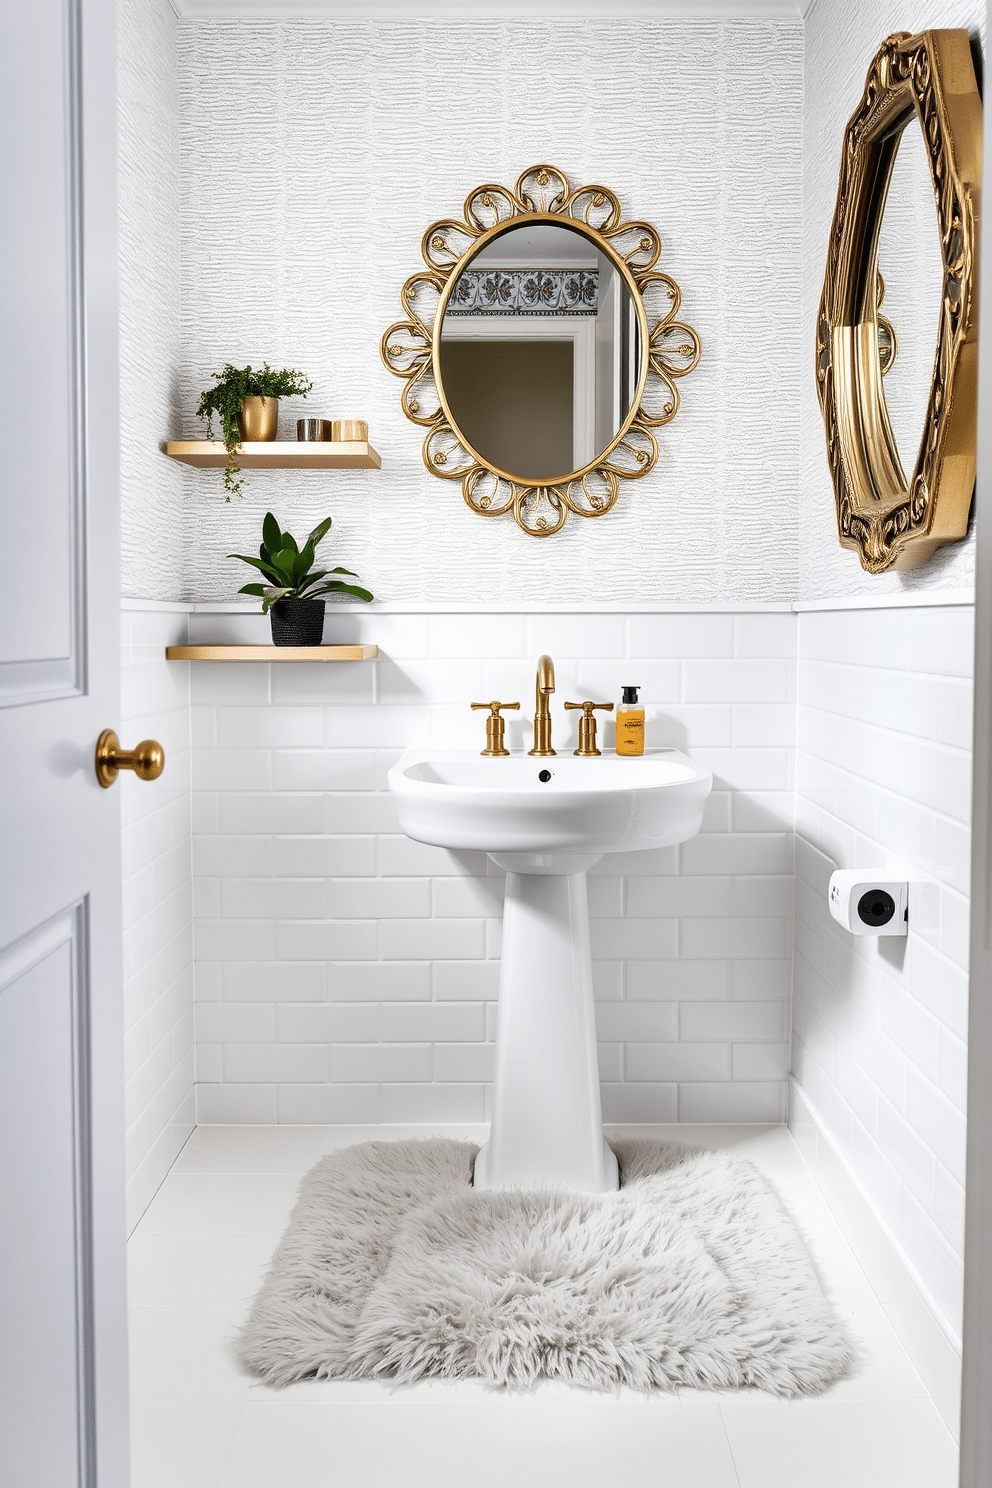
(259, 418)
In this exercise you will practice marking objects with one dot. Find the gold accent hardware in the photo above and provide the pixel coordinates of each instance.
(542, 712)
(670, 349)
(495, 728)
(587, 727)
(146, 759)
(886, 517)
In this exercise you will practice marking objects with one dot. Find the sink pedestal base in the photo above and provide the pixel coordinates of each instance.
(547, 1123)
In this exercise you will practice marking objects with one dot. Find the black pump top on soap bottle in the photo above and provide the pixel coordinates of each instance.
(630, 694)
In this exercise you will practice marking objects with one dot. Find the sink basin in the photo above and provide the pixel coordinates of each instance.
(560, 805)
(547, 820)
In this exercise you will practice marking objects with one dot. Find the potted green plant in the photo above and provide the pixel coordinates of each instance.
(293, 597)
(246, 402)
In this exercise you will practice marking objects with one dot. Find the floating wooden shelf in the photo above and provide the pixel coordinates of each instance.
(277, 454)
(271, 653)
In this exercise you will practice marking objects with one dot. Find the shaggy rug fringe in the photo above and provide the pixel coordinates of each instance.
(393, 1267)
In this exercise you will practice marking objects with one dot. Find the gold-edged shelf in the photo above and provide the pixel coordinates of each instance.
(277, 454)
(271, 653)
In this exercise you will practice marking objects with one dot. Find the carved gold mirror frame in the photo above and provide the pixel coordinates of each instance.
(669, 349)
(887, 518)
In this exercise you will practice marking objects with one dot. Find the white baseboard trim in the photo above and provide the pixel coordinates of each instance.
(922, 1329)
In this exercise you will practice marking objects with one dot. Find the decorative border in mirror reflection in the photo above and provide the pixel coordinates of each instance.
(889, 519)
(670, 349)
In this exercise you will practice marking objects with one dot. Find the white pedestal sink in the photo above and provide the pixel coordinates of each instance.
(547, 821)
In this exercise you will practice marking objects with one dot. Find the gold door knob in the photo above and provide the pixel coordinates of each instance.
(587, 727)
(495, 728)
(146, 759)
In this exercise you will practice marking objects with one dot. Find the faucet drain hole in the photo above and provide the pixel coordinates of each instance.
(544, 776)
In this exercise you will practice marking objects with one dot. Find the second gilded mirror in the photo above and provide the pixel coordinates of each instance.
(543, 350)
(900, 303)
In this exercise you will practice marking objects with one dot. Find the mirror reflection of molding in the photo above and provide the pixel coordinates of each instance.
(542, 352)
(544, 291)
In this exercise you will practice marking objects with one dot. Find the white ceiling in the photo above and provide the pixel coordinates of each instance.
(484, 9)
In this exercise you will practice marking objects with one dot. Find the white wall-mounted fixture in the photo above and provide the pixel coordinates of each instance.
(866, 904)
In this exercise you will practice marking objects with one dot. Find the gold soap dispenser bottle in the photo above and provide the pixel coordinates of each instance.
(630, 724)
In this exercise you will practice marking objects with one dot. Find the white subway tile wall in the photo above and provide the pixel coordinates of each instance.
(346, 973)
(158, 906)
(883, 779)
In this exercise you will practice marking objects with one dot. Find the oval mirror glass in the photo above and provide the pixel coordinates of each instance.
(911, 266)
(540, 352)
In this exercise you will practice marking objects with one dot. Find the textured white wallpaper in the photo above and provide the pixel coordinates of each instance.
(153, 527)
(314, 154)
(842, 36)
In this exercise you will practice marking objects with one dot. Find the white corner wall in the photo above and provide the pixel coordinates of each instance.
(158, 944)
(883, 774)
(880, 1025)
(152, 517)
(158, 905)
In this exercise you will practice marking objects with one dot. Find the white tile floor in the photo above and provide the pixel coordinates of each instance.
(199, 1422)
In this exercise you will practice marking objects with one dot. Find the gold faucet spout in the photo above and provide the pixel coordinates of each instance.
(542, 711)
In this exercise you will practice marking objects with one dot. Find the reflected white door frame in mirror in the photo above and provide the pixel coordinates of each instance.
(887, 517)
(550, 286)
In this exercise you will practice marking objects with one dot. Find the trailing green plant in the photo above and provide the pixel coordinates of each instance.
(224, 400)
(289, 568)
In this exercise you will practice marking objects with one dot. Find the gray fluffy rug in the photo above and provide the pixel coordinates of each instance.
(393, 1267)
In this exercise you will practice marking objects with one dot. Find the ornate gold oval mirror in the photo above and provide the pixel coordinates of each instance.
(542, 350)
(884, 240)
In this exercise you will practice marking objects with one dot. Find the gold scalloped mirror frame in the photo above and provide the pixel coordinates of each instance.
(670, 349)
(889, 520)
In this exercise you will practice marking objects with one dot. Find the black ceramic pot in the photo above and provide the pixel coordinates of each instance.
(297, 622)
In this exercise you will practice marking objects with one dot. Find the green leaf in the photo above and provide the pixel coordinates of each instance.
(319, 533)
(312, 578)
(257, 589)
(303, 564)
(271, 533)
(334, 587)
(289, 541)
(268, 569)
(343, 570)
(282, 565)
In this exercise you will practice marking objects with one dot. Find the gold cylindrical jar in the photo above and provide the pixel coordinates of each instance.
(356, 430)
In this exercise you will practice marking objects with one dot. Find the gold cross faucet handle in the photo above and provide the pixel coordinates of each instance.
(587, 727)
(496, 727)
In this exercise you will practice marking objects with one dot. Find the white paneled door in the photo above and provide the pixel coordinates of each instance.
(63, 1372)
